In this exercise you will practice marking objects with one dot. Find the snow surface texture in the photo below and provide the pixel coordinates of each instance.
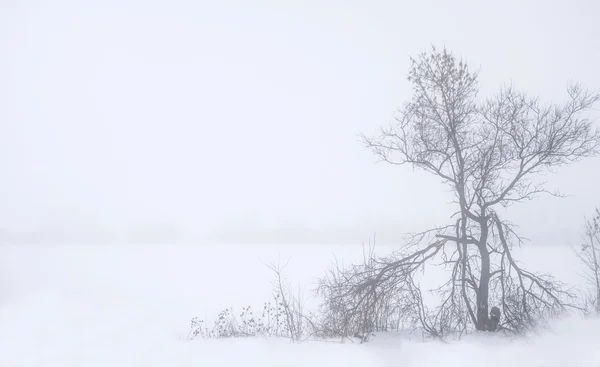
(131, 306)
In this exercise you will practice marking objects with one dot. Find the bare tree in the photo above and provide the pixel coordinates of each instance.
(490, 154)
(589, 254)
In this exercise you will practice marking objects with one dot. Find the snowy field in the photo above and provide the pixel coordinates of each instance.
(131, 306)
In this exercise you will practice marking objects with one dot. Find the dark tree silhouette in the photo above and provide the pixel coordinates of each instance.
(589, 255)
(490, 155)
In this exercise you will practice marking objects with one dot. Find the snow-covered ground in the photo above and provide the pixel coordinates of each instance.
(131, 306)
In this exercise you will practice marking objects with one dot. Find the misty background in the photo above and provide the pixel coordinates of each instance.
(237, 121)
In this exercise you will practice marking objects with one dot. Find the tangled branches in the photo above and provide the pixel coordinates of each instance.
(382, 292)
(589, 255)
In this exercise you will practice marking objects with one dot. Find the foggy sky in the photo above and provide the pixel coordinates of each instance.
(237, 121)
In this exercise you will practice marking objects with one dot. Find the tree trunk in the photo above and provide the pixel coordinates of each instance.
(484, 290)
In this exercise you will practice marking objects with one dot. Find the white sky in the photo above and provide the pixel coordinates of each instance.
(206, 118)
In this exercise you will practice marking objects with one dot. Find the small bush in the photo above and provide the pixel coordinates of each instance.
(282, 316)
(269, 321)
